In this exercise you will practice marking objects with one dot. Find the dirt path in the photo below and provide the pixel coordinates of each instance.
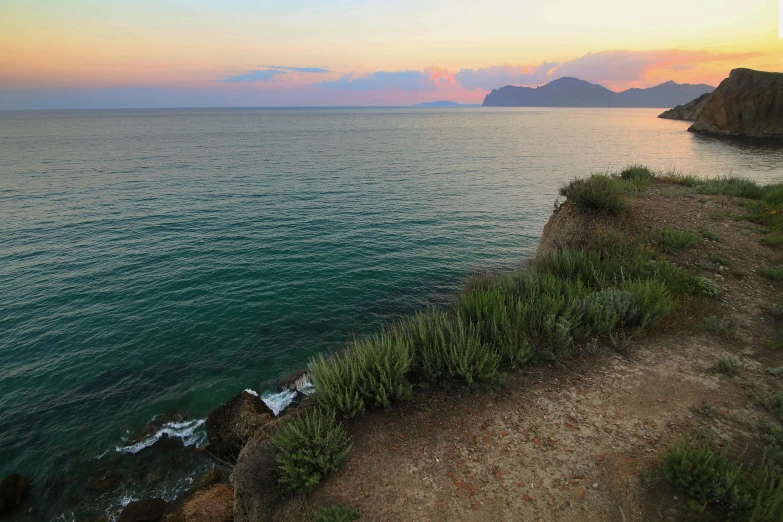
(572, 443)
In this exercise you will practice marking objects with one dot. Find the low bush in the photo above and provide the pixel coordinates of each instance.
(731, 186)
(773, 274)
(706, 287)
(370, 372)
(638, 174)
(673, 241)
(728, 367)
(707, 477)
(723, 325)
(712, 480)
(600, 193)
(309, 447)
(336, 514)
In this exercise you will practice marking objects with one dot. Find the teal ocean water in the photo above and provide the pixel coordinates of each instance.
(155, 263)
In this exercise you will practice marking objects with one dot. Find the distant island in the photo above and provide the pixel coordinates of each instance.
(444, 104)
(573, 92)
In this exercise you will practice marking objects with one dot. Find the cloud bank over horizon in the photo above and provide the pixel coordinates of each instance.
(287, 85)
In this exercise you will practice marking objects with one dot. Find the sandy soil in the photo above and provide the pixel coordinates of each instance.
(571, 443)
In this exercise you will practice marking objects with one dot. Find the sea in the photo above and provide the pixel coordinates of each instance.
(155, 263)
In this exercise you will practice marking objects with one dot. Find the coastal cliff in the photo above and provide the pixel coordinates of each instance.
(747, 103)
(687, 112)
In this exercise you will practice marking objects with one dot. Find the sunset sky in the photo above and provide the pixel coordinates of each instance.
(188, 53)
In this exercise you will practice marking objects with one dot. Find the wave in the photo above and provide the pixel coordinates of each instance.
(187, 431)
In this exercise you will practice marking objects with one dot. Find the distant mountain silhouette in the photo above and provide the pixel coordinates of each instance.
(573, 92)
(443, 104)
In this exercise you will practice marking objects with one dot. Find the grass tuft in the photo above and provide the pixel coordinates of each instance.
(729, 367)
(673, 241)
(724, 325)
(600, 194)
(773, 274)
(336, 514)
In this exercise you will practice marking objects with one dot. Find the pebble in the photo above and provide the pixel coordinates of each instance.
(595, 485)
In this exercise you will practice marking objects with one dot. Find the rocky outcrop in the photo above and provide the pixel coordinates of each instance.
(12, 491)
(235, 422)
(688, 112)
(254, 479)
(149, 510)
(295, 381)
(215, 504)
(747, 103)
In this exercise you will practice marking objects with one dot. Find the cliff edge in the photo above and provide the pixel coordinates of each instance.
(747, 103)
(689, 111)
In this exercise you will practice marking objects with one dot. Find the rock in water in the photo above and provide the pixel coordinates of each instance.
(149, 510)
(215, 504)
(294, 381)
(747, 103)
(234, 423)
(12, 490)
(688, 112)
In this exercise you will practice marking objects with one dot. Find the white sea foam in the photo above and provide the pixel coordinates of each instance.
(252, 392)
(278, 402)
(187, 431)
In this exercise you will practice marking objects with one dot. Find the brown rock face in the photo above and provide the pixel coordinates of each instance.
(747, 103)
(688, 112)
(149, 510)
(234, 423)
(215, 504)
(254, 479)
(12, 490)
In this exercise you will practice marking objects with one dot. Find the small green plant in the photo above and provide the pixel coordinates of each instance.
(774, 240)
(336, 514)
(772, 403)
(638, 174)
(673, 241)
(600, 193)
(720, 259)
(706, 287)
(649, 478)
(776, 310)
(775, 371)
(723, 325)
(712, 480)
(707, 409)
(706, 233)
(729, 367)
(773, 274)
(730, 186)
(308, 448)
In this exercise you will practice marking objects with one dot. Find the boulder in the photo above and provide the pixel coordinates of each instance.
(294, 381)
(149, 510)
(747, 103)
(254, 479)
(235, 422)
(214, 504)
(105, 483)
(12, 490)
(688, 112)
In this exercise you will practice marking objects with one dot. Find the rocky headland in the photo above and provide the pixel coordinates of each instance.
(747, 103)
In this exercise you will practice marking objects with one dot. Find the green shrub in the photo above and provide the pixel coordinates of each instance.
(774, 240)
(775, 371)
(637, 174)
(773, 194)
(706, 287)
(673, 241)
(731, 186)
(712, 480)
(370, 372)
(723, 325)
(728, 367)
(600, 193)
(309, 447)
(773, 274)
(706, 233)
(706, 476)
(336, 514)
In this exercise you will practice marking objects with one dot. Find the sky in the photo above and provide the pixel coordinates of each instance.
(199, 53)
